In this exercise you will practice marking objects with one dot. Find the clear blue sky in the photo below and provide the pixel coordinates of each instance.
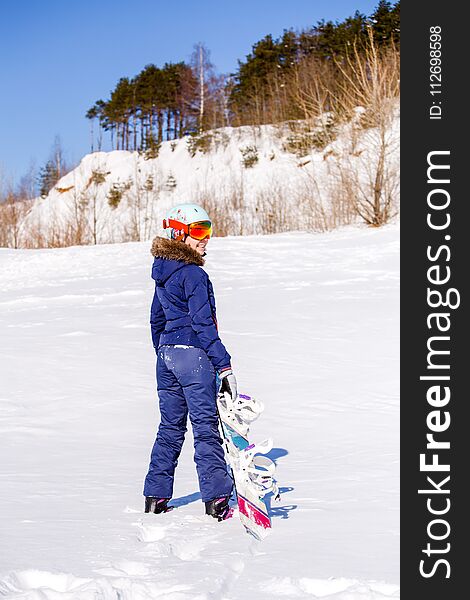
(57, 57)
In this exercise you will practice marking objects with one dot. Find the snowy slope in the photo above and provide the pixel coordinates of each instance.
(215, 177)
(312, 324)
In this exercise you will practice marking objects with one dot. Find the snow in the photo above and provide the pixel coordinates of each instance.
(312, 324)
(217, 177)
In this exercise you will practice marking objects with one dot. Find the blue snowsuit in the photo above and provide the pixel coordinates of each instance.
(189, 355)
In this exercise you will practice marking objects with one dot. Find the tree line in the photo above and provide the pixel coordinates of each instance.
(265, 87)
(180, 99)
(142, 110)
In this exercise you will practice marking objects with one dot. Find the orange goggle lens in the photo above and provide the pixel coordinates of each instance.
(200, 230)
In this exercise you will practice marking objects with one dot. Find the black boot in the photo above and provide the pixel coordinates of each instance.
(218, 508)
(157, 505)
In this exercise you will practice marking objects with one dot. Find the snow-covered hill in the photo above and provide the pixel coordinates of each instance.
(312, 324)
(268, 178)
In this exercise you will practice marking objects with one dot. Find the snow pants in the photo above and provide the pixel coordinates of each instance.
(187, 384)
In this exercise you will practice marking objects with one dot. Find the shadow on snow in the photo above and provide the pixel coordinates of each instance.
(276, 509)
(176, 502)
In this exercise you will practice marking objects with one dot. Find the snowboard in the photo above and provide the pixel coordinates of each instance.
(252, 472)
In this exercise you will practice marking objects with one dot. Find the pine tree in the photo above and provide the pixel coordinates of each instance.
(53, 170)
(91, 114)
(385, 21)
(48, 177)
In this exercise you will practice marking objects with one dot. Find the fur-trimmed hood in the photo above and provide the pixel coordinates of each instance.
(174, 250)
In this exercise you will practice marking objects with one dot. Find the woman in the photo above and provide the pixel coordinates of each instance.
(192, 363)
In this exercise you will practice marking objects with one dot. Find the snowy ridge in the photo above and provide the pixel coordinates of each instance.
(217, 175)
(312, 324)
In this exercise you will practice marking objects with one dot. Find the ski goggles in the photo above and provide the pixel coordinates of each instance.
(199, 230)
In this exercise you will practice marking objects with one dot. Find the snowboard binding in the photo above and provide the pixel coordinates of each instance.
(258, 470)
(239, 413)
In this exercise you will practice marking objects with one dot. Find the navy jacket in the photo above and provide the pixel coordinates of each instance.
(183, 307)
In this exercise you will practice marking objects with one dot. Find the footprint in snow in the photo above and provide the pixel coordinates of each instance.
(125, 568)
(150, 533)
(187, 538)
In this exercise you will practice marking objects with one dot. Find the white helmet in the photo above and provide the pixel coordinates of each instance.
(185, 215)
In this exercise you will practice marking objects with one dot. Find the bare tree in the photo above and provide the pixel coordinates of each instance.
(142, 200)
(203, 70)
(77, 218)
(370, 80)
(27, 188)
(201, 86)
(311, 84)
(12, 213)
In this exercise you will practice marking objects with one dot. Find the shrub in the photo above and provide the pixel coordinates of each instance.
(299, 144)
(304, 139)
(221, 139)
(149, 184)
(97, 177)
(249, 156)
(170, 182)
(199, 143)
(151, 147)
(117, 192)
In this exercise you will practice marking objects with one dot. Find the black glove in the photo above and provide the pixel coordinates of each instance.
(229, 383)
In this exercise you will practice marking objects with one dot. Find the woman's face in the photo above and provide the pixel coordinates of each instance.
(198, 245)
